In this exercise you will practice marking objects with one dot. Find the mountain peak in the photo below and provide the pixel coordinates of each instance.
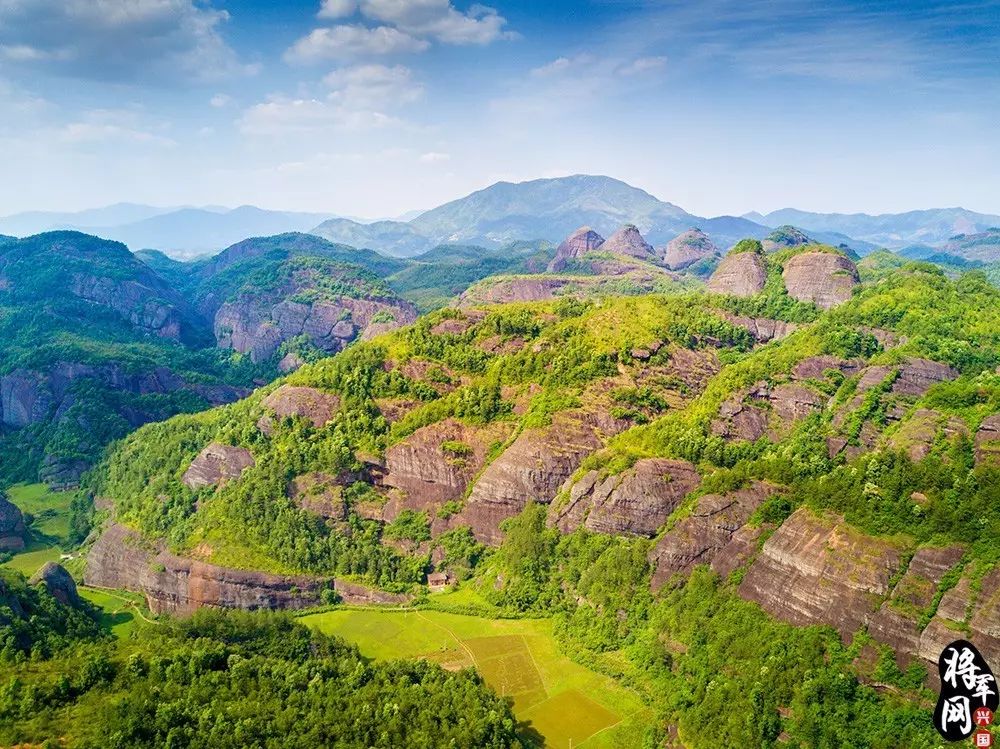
(628, 241)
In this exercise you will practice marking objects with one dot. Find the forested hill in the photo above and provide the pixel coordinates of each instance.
(218, 680)
(588, 459)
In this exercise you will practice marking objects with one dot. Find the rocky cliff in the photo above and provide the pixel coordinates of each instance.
(577, 244)
(688, 248)
(122, 559)
(785, 237)
(628, 241)
(824, 278)
(12, 527)
(739, 274)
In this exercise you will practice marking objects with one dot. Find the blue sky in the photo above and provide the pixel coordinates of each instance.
(376, 107)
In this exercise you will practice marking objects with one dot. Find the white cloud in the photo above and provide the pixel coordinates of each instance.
(98, 132)
(561, 65)
(350, 41)
(434, 157)
(373, 87)
(117, 39)
(643, 65)
(282, 115)
(439, 19)
(338, 8)
(221, 100)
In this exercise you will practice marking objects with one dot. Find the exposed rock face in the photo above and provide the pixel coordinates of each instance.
(953, 616)
(259, 324)
(517, 289)
(763, 329)
(785, 237)
(705, 532)
(12, 527)
(628, 241)
(436, 463)
(577, 244)
(988, 440)
(29, 397)
(532, 469)
(637, 501)
(817, 367)
(823, 278)
(897, 622)
(305, 402)
(215, 464)
(321, 494)
(741, 274)
(765, 411)
(918, 433)
(122, 559)
(58, 582)
(917, 376)
(142, 306)
(741, 549)
(688, 248)
(819, 570)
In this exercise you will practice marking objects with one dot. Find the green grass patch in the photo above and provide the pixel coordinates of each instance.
(557, 700)
(118, 609)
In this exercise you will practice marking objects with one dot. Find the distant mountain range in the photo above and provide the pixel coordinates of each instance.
(539, 210)
(935, 226)
(180, 232)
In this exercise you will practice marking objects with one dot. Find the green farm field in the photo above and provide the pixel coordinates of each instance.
(49, 530)
(558, 702)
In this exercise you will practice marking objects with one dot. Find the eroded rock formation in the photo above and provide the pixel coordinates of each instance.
(688, 248)
(58, 582)
(577, 244)
(309, 403)
(824, 278)
(741, 274)
(217, 463)
(12, 527)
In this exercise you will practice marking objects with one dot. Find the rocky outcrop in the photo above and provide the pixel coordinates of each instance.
(918, 433)
(763, 329)
(988, 440)
(577, 244)
(137, 303)
(970, 610)
(739, 274)
(825, 279)
(29, 397)
(514, 289)
(122, 559)
(763, 410)
(58, 582)
(785, 237)
(819, 367)
(688, 248)
(917, 376)
(258, 324)
(637, 501)
(818, 570)
(12, 528)
(532, 469)
(308, 403)
(436, 463)
(215, 464)
(709, 529)
(321, 494)
(898, 622)
(628, 241)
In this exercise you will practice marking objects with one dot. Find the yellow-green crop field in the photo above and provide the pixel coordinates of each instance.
(558, 703)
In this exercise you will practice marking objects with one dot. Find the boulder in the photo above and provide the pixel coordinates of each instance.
(687, 249)
(58, 582)
(215, 464)
(705, 532)
(816, 569)
(628, 241)
(316, 406)
(825, 279)
(577, 244)
(741, 274)
(12, 528)
(637, 501)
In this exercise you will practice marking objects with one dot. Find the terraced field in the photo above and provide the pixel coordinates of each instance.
(559, 703)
